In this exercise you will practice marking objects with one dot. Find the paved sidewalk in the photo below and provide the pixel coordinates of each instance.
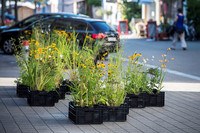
(180, 115)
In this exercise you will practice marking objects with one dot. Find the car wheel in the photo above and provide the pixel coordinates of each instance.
(8, 46)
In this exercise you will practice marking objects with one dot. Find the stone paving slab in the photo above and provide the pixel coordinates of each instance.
(179, 115)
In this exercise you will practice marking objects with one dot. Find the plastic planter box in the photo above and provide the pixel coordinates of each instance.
(85, 115)
(115, 113)
(155, 99)
(65, 87)
(61, 92)
(136, 101)
(22, 90)
(42, 98)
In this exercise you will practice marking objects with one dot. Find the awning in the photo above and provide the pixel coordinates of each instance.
(146, 2)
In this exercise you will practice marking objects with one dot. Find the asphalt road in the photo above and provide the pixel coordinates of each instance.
(183, 70)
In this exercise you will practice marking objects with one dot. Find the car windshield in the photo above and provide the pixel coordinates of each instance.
(101, 27)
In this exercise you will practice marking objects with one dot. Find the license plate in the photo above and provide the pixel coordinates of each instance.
(112, 39)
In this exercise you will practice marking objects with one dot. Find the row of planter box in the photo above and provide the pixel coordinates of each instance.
(41, 98)
(96, 114)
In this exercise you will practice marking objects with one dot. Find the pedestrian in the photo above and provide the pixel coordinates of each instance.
(179, 30)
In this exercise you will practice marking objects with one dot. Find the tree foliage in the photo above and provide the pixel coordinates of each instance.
(94, 2)
(130, 9)
(193, 12)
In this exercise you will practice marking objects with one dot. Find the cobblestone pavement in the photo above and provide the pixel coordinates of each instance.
(179, 115)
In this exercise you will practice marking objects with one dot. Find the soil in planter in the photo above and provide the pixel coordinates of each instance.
(115, 114)
(85, 115)
(42, 98)
(136, 101)
(22, 90)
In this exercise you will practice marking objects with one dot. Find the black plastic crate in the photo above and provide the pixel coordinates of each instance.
(155, 100)
(126, 104)
(22, 90)
(136, 101)
(61, 93)
(41, 98)
(115, 114)
(85, 115)
(66, 84)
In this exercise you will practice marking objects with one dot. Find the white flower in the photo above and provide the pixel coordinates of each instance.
(49, 49)
(153, 57)
(49, 56)
(40, 58)
(61, 56)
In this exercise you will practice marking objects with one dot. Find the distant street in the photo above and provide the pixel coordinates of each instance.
(183, 69)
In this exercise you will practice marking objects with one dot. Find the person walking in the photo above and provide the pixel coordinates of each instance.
(179, 30)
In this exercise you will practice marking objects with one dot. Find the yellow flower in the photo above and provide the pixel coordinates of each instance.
(98, 65)
(115, 66)
(36, 43)
(100, 74)
(29, 33)
(53, 45)
(123, 60)
(103, 65)
(75, 54)
(161, 60)
(25, 31)
(166, 60)
(163, 66)
(163, 55)
(138, 55)
(108, 65)
(105, 54)
(66, 74)
(93, 67)
(109, 72)
(172, 58)
(102, 59)
(65, 70)
(169, 49)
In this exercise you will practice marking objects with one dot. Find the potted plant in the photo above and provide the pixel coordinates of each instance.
(156, 97)
(163, 35)
(114, 90)
(85, 85)
(136, 82)
(42, 70)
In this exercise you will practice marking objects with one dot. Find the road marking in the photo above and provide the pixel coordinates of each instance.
(173, 71)
(7, 81)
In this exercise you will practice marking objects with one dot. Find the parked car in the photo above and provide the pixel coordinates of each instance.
(27, 21)
(96, 29)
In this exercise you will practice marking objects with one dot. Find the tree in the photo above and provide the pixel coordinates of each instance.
(130, 9)
(193, 12)
(89, 4)
(2, 11)
(16, 12)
